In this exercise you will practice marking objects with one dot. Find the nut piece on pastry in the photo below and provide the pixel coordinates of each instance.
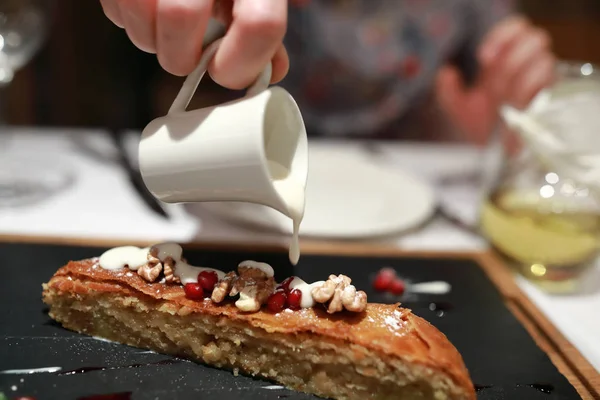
(152, 269)
(150, 272)
(169, 269)
(340, 294)
(354, 300)
(254, 285)
(223, 287)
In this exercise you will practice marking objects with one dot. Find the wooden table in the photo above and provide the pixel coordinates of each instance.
(563, 354)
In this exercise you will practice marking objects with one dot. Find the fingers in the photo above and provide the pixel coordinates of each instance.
(281, 65)
(531, 81)
(254, 37)
(180, 27)
(139, 20)
(174, 30)
(522, 62)
(532, 43)
(502, 36)
(524, 54)
(112, 12)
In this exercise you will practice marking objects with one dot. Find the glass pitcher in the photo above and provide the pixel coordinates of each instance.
(546, 225)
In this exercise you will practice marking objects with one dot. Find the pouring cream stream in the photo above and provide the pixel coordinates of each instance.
(292, 192)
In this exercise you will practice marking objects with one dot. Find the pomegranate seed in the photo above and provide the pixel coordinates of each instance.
(193, 291)
(384, 279)
(294, 298)
(397, 287)
(208, 280)
(387, 271)
(285, 285)
(276, 301)
(382, 283)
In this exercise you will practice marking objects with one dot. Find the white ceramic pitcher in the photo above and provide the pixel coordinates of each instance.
(226, 152)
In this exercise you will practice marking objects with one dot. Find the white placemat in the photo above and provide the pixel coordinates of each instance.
(575, 316)
(100, 204)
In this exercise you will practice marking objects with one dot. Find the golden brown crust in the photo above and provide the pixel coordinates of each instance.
(384, 328)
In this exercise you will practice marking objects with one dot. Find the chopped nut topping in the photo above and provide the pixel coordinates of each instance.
(150, 273)
(153, 256)
(354, 300)
(252, 284)
(223, 287)
(340, 294)
(255, 284)
(254, 287)
(168, 269)
(152, 269)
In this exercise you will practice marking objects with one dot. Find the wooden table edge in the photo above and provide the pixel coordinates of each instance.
(561, 351)
(569, 361)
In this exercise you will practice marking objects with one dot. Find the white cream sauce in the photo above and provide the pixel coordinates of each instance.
(119, 257)
(264, 267)
(434, 287)
(30, 371)
(307, 300)
(293, 194)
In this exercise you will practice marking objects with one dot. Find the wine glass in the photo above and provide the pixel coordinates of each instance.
(25, 177)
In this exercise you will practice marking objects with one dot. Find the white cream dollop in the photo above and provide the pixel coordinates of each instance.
(264, 267)
(307, 300)
(434, 287)
(125, 256)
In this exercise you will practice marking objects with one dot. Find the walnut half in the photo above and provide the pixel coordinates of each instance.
(254, 287)
(150, 272)
(340, 294)
(154, 267)
(223, 287)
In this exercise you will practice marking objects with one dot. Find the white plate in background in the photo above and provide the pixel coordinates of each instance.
(347, 196)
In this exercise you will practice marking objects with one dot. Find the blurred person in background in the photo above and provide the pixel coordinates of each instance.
(360, 68)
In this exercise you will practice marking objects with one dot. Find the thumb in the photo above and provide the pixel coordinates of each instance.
(450, 89)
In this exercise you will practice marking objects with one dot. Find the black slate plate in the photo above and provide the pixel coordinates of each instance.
(502, 358)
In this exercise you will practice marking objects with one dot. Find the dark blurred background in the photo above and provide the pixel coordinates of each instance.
(89, 74)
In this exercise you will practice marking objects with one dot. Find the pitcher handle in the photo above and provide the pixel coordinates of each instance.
(193, 80)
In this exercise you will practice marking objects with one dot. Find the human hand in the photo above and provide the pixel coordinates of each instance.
(174, 31)
(516, 62)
